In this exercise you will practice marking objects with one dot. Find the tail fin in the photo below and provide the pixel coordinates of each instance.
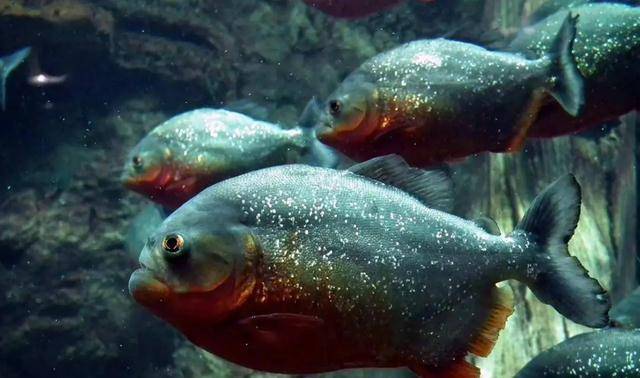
(7, 65)
(561, 280)
(568, 86)
(320, 155)
(311, 114)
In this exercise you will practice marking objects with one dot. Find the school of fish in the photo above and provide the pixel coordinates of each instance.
(278, 260)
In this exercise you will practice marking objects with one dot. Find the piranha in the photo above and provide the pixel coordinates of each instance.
(437, 100)
(607, 52)
(354, 8)
(7, 65)
(606, 353)
(298, 269)
(193, 150)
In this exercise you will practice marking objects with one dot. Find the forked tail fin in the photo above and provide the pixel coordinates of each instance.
(568, 83)
(561, 281)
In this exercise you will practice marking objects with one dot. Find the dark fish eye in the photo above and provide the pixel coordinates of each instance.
(335, 107)
(173, 245)
(137, 161)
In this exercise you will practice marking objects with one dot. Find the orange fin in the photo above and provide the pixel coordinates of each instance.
(502, 307)
(456, 369)
(526, 121)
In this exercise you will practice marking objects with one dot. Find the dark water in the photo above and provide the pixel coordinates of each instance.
(70, 233)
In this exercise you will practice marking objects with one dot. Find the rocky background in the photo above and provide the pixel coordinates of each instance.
(65, 220)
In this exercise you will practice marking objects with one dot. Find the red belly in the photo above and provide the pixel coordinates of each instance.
(291, 350)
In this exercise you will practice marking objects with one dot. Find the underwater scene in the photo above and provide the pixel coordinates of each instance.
(319, 188)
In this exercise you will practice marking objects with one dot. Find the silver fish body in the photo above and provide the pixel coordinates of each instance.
(391, 278)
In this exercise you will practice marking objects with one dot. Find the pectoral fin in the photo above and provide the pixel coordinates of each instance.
(281, 329)
(526, 120)
(278, 321)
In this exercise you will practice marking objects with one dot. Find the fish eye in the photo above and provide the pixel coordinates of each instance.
(137, 161)
(335, 107)
(173, 245)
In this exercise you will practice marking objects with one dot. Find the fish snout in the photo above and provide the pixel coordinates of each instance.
(325, 133)
(146, 289)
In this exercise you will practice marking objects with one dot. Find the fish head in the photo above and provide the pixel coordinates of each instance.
(349, 115)
(196, 268)
(159, 169)
(146, 164)
(193, 150)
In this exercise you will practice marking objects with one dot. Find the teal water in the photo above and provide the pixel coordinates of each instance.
(99, 76)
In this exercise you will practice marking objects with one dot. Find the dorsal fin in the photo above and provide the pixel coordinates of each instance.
(311, 114)
(432, 188)
(488, 224)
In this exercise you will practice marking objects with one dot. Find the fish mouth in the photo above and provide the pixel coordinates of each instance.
(325, 132)
(158, 177)
(146, 288)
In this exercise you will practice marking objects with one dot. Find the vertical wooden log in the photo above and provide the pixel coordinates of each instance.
(605, 240)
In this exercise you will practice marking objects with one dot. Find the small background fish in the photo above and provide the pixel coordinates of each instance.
(9, 63)
(193, 150)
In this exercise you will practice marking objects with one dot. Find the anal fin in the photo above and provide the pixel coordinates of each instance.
(502, 303)
(456, 369)
(527, 119)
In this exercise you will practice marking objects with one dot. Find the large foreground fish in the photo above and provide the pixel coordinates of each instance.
(607, 52)
(354, 8)
(296, 269)
(193, 150)
(437, 100)
(7, 65)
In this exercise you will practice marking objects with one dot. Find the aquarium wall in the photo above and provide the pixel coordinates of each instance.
(116, 69)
